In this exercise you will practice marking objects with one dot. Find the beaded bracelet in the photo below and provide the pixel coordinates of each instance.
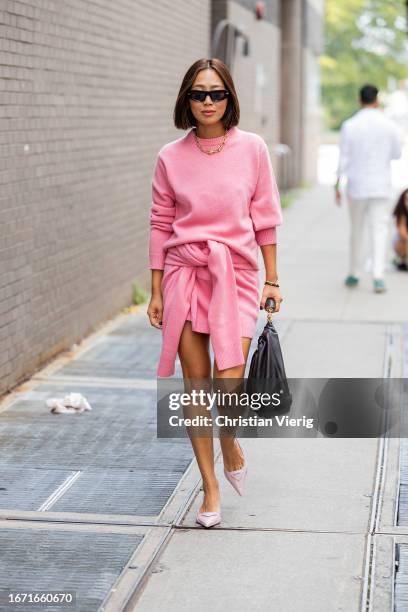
(271, 284)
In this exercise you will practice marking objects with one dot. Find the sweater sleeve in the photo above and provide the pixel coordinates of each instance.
(162, 213)
(265, 207)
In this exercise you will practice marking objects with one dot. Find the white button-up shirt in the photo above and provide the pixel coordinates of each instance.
(368, 143)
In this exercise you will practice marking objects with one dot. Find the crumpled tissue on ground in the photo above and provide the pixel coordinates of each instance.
(70, 404)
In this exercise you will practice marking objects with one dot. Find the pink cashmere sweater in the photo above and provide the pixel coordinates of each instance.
(230, 196)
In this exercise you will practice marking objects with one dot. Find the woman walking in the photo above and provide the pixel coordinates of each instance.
(214, 201)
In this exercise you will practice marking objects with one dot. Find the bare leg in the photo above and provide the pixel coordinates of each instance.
(195, 363)
(232, 456)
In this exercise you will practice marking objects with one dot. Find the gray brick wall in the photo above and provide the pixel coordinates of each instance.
(87, 91)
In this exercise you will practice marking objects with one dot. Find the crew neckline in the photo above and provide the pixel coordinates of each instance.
(216, 139)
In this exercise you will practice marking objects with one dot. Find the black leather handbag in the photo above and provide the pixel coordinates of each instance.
(267, 370)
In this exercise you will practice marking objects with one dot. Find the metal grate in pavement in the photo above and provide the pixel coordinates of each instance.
(43, 560)
(403, 490)
(401, 579)
(140, 493)
(28, 489)
(117, 436)
(404, 461)
(118, 354)
(119, 431)
(403, 505)
(115, 356)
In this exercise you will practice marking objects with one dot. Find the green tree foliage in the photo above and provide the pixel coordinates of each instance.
(366, 42)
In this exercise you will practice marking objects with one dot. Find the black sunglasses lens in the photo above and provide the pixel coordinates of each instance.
(198, 96)
(219, 95)
(216, 96)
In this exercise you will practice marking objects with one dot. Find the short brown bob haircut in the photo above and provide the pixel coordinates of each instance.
(183, 117)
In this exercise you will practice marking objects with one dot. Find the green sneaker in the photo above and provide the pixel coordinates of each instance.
(351, 281)
(379, 285)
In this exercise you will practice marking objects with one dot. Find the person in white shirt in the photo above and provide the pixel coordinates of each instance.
(368, 143)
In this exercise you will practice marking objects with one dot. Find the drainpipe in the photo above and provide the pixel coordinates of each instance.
(233, 32)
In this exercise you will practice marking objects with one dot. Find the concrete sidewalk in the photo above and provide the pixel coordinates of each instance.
(108, 510)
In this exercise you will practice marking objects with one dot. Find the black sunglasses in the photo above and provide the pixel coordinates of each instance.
(216, 95)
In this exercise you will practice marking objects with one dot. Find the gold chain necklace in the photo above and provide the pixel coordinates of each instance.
(211, 151)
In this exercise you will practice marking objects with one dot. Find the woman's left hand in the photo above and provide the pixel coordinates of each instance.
(272, 292)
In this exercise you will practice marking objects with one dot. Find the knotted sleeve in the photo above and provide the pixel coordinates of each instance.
(162, 214)
(265, 206)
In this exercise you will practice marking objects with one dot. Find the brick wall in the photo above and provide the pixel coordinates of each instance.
(87, 91)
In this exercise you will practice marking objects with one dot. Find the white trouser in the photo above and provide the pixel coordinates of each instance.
(377, 212)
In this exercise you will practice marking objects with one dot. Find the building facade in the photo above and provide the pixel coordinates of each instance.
(278, 81)
(87, 93)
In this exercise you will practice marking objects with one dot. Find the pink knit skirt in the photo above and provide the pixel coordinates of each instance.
(248, 290)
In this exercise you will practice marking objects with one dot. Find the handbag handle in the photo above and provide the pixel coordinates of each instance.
(270, 307)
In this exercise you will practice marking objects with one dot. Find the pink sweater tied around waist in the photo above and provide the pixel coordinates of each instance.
(223, 315)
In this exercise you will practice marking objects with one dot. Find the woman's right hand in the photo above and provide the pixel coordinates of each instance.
(155, 310)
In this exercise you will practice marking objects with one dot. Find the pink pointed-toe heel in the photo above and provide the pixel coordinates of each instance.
(237, 477)
(208, 519)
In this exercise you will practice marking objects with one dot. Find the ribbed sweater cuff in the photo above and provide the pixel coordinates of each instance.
(156, 261)
(266, 236)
